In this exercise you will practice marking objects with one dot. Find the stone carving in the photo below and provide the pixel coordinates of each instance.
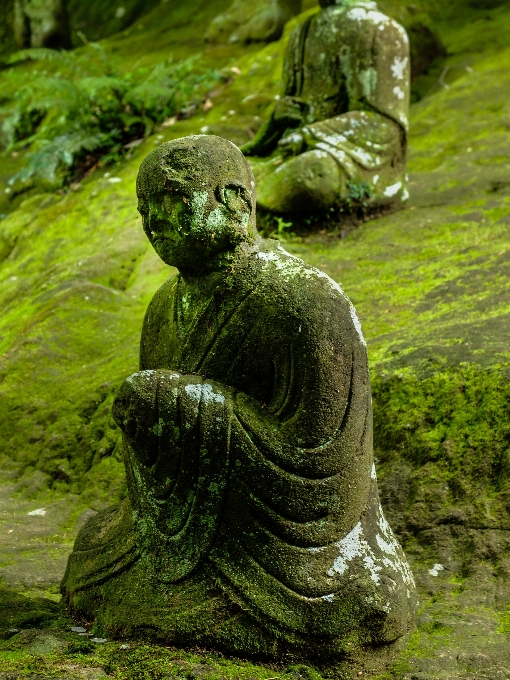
(253, 521)
(246, 22)
(339, 132)
(42, 23)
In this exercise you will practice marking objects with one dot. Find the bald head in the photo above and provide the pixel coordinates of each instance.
(197, 199)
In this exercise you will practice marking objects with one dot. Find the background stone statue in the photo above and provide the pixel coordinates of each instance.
(247, 22)
(253, 521)
(339, 133)
(42, 23)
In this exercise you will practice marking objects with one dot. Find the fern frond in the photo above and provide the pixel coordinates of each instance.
(92, 110)
(43, 54)
(95, 86)
(50, 163)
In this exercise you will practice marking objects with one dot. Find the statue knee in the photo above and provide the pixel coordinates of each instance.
(311, 182)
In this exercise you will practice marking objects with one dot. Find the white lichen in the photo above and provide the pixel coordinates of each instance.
(147, 374)
(349, 547)
(209, 396)
(368, 80)
(356, 545)
(399, 92)
(399, 66)
(436, 569)
(216, 219)
(393, 190)
(205, 393)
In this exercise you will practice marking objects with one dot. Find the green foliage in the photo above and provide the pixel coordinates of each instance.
(80, 647)
(139, 661)
(72, 118)
(282, 229)
(359, 193)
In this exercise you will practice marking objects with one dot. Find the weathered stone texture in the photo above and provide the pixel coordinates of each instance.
(247, 22)
(41, 23)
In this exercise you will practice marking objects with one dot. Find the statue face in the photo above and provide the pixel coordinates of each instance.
(189, 229)
(196, 200)
(167, 219)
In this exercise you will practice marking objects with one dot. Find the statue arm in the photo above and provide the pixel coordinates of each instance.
(382, 75)
(265, 140)
(288, 112)
(156, 344)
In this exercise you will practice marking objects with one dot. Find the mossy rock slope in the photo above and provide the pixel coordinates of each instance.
(430, 284)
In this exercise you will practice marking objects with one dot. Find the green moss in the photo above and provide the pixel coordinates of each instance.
(26, 611)
(146, 662)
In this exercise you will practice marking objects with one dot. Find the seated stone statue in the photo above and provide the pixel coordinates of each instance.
(338, 135)
(246, 22)
(42, 23)
(253, 522)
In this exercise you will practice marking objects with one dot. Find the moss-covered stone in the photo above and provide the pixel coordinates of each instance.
(252, 490)
(242, 23)
(42, 23)
(343, 119)
(425, 282)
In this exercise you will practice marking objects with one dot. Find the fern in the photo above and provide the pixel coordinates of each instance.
(48, 162)
(43, 54)
(70, 115)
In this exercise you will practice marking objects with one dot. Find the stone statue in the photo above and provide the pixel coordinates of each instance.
(339, 133)
(247, 22)
(253, 522)
(42, 23)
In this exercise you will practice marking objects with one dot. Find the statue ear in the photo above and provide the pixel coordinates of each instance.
(231, 193)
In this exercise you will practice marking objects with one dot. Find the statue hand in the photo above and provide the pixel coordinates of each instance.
(292, 144)
(137, 411)
(290, 111)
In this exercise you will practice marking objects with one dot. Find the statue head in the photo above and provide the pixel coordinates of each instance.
(196, 196)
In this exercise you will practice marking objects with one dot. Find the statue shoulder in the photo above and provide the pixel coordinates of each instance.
(366, 16)
(162, 298)
(306, 294)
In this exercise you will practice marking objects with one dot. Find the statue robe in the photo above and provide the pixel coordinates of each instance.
(249, 448)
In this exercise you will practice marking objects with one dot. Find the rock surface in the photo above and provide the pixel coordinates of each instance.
(244, 23)
(42, 23)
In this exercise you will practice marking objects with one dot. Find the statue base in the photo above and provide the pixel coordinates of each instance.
(108, 584)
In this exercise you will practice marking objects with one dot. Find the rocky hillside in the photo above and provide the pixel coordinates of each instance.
(431, 288)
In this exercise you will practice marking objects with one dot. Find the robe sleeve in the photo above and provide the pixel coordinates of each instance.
(308, 453)
(176, 434)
